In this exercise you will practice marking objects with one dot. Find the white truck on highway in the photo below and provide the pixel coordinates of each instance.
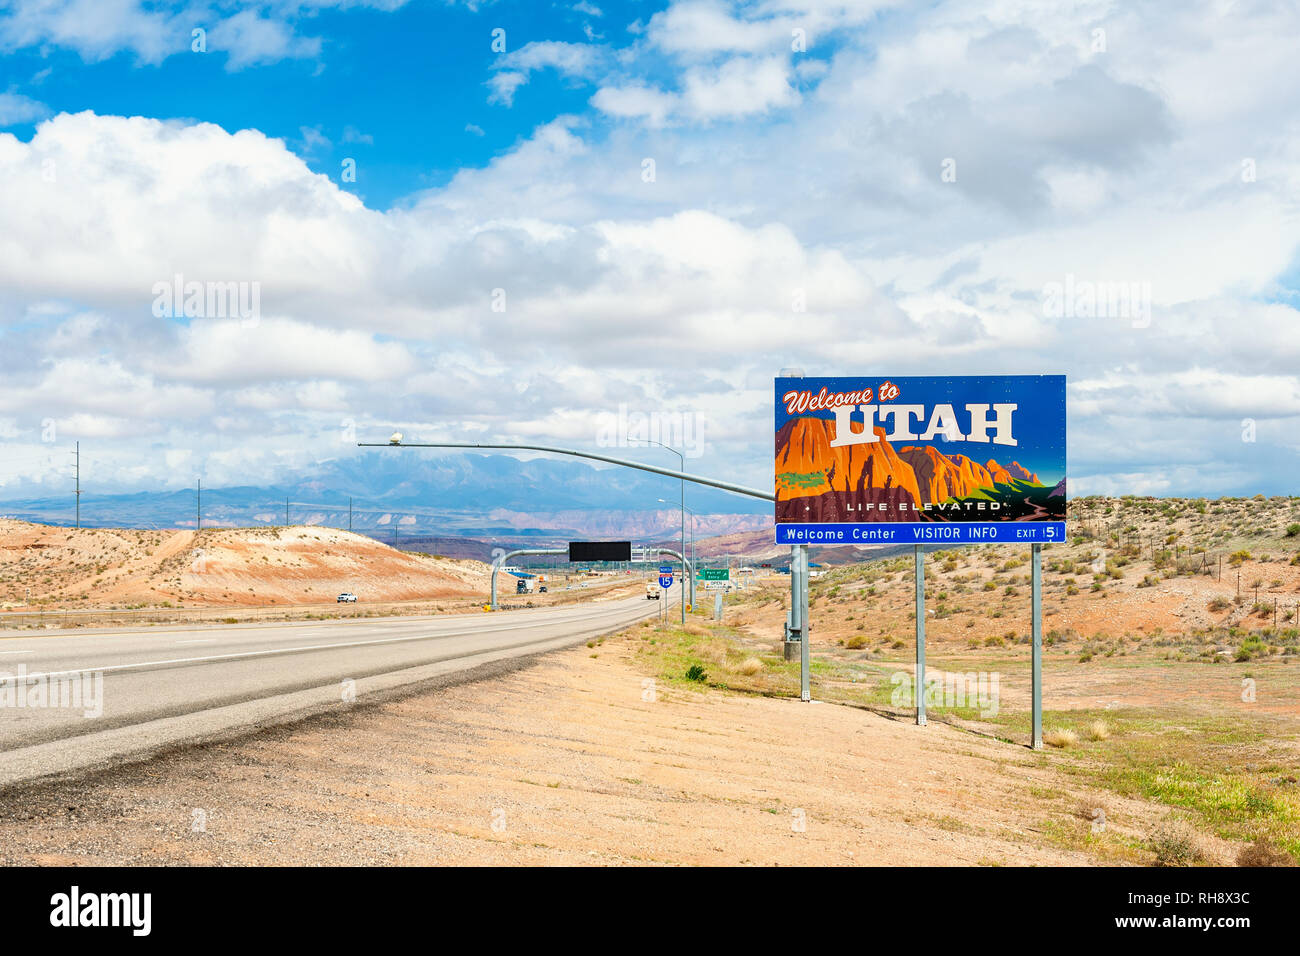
(652, 592)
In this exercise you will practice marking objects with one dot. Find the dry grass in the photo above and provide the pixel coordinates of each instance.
(1097, 730)
(1060, 738)
(750, 666)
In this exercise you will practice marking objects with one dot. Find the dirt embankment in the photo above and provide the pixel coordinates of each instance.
(69, 567)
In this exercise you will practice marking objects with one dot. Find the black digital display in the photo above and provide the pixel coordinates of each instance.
(600, 550)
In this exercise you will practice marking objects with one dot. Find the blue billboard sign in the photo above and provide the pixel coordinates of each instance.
(920, 460)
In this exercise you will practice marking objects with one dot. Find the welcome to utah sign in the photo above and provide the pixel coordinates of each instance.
(920, 459)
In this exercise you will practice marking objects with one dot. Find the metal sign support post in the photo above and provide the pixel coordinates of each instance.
(792, 616)
(687, 568)
(1037, 637)
(801, 587)
(920, 637)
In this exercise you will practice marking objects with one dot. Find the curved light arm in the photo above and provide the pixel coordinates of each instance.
(699, 480)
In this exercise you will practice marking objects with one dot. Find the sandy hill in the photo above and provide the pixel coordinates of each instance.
(69, 567)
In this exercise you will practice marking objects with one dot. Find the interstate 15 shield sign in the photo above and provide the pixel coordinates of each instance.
(920, 460)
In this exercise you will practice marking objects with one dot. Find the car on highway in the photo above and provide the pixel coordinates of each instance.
(652, 592)
(347, 597)
(542, 589)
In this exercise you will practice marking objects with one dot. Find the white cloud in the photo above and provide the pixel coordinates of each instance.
(790, 222)
(16, 108)
(249, 39)
(513, 69)
(231, 352)
(739, 87)
(635, 102)
(96, 29)
(711, 26)
(152, 32)
(503, 86)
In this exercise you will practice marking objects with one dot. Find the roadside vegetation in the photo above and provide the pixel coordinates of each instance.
(1170, 660)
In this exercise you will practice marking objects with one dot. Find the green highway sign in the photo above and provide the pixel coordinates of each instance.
(714, 574)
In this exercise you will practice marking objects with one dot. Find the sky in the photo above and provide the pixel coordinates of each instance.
(571, 222)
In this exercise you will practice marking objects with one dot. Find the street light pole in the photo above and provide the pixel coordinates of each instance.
(396, 442)
(682, 457)
(694, 556)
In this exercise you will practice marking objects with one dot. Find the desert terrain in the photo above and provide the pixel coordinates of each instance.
(53, 567)
(1171, 714)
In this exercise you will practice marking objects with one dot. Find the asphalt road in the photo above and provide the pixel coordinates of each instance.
(165, 685)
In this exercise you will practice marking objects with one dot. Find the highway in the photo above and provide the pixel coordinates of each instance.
(140, 689)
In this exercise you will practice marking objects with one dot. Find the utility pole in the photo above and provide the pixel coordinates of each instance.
(286, 511)
(349, 512)
(78, 492)
(198, 508)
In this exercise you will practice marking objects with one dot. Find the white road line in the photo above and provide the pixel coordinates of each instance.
(17, 652)
(202, 640)
(293, 650)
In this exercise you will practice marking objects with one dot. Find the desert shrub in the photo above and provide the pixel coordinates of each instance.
(1262, 853)
(1175, 844)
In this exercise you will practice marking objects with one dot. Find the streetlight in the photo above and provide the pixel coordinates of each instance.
(651, 441)
(798, 552)
(399, 442)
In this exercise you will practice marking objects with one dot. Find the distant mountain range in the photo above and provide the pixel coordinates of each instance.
(818, 482)
(395, 495)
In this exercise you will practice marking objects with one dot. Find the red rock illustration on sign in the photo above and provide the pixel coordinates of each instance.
(817, 481)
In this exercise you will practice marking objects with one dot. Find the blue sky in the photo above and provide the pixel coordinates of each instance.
(401, 91)
(632, 218)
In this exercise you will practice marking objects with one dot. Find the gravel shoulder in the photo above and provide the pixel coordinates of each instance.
(574, 757)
